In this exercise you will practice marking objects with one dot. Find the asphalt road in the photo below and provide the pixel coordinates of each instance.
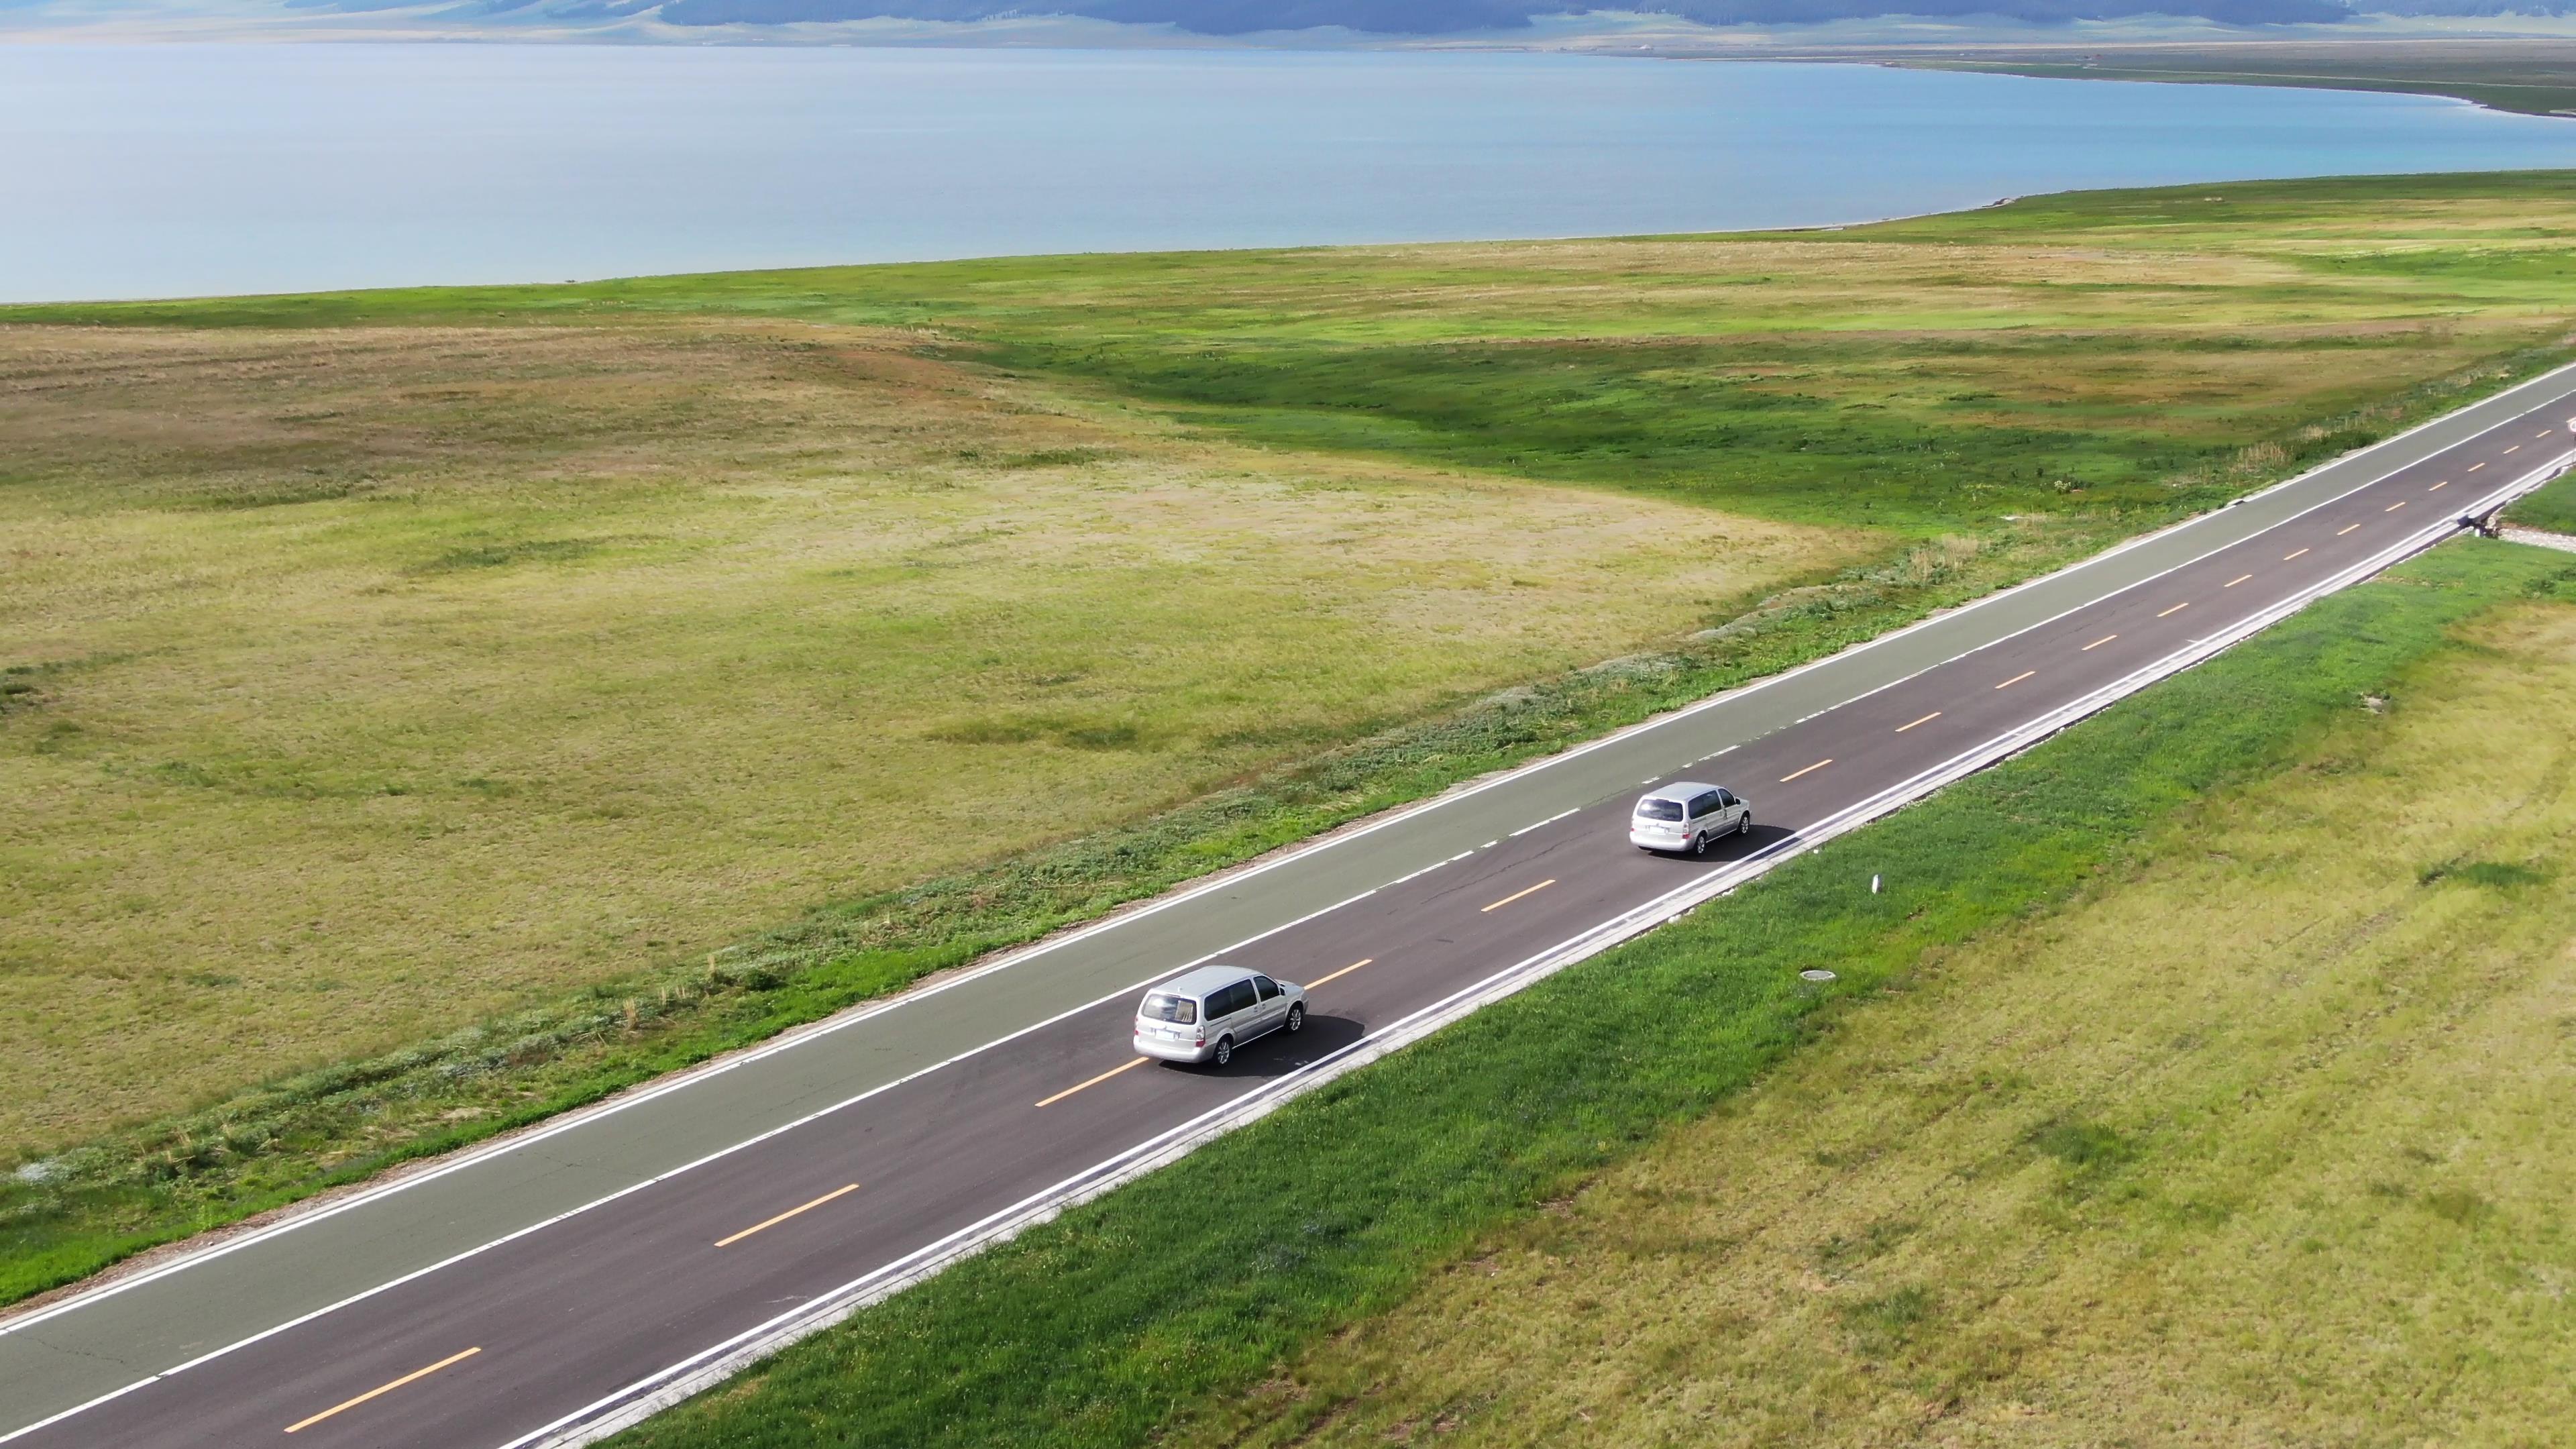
(477, 1305)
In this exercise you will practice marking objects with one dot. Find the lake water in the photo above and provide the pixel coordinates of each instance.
(165, 170)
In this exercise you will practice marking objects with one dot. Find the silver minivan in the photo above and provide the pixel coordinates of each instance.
(1687, 816)
(1203, 1015)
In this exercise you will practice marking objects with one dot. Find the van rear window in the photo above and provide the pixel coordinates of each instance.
(1659, 810)
(1176, 1009)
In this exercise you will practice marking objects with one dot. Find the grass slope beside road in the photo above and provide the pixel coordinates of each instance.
(1163, 1309)
(407, 691)
(2553, 507)
(408, 713)
(377, 680)
(2265, 1140)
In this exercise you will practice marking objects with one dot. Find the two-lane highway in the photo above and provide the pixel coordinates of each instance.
(534, 1291)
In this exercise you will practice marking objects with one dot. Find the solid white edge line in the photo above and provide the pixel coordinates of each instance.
(2199, 558)
(2196, 559)
(798, 1036)
(664, 1176)
(637, 1401)
(1233, 1114)
(1537, 824)
(719, 1360)
(1417, 875)
(789, 1040)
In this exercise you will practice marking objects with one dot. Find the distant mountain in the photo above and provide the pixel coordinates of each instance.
(1445, 17)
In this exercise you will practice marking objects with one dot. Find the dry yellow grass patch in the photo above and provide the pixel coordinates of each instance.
(384, 677)
(2268, 1142)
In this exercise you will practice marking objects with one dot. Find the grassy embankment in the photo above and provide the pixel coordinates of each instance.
(2534, 76)
(2552, 508)
(2264, 1139)
(2173, 1080)
(442, 674)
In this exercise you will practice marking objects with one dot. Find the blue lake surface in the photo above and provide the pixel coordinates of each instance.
(129, 171)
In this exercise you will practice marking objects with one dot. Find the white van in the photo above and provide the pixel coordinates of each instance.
(1203, 1015)
(1687, 816)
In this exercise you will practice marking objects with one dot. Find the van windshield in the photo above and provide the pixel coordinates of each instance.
(1659, 810)
(1180, 1009)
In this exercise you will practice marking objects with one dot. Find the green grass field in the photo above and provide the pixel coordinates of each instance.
(382, 680)
(2169, 1083)
(408, 691)
(2074, 360)
(2267, 1131)
(2552, 508)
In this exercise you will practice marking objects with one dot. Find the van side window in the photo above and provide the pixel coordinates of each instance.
(1703, 804)
(1231, 1000)
(1267, 987)
(1726, 798)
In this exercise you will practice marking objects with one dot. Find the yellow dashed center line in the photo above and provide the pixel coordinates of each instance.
(2393, 507)
(1516, 895)
(2516, 448)
(2176, 609)
(2098, 643)
(2473, 467)
(386, 1389)
(1811, 769)
(1338, 975)
(1927, 719)
(2016, 679)
(845, 1191)
(1049, 1102)
(2285, 558)
(2347, 528)
(2231, 583)
(2438, 487)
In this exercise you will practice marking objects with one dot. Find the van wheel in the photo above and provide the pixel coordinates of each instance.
(1744, 826)
(1224, 1050)
(1297, 1017)
(1699, 845)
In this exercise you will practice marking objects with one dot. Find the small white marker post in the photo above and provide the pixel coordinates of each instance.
(1873, 885)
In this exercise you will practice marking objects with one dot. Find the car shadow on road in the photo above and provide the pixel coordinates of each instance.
(1279, 1053)
(1729, 849)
